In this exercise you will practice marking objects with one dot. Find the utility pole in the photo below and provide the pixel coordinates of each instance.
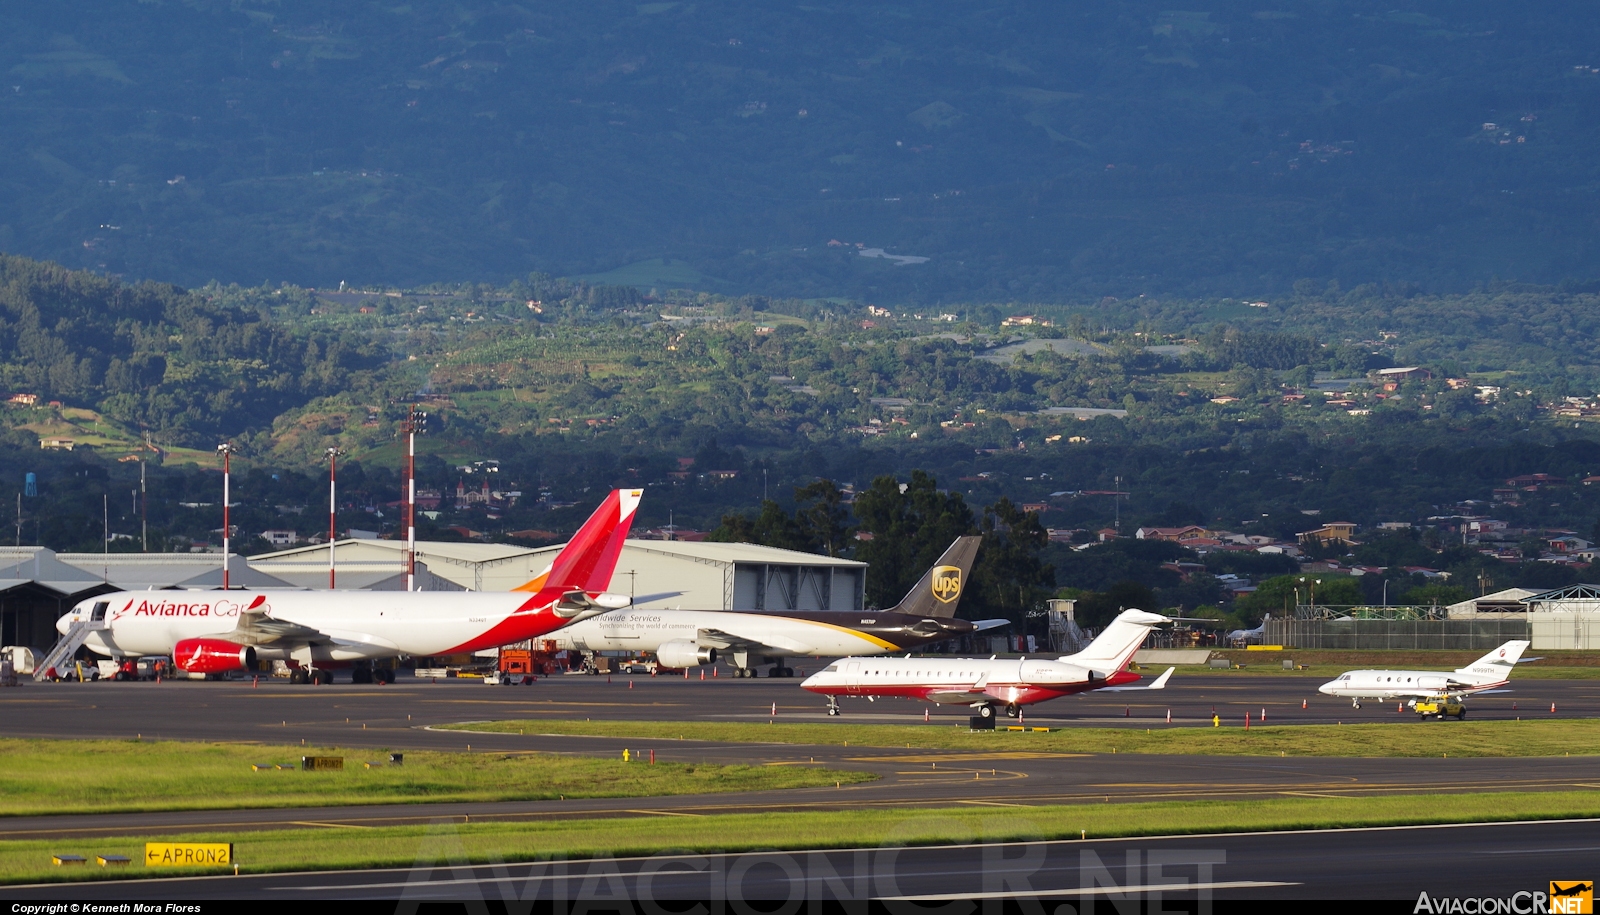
(333, 508)
(1116, 500)
(144, 512)
(227, 468)
(105, 536)
(413, 420)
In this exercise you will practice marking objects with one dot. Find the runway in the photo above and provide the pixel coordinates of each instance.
(1497, 861)
(401, 717)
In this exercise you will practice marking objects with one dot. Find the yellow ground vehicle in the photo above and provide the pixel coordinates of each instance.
(1440, 707)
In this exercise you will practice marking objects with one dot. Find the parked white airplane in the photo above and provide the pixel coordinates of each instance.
(983, 683)
(1489, 672)
(691, 638)
(1249, 635)
(218, 631)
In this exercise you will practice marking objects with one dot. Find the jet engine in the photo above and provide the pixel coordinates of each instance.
(212, 656)
(682, 653)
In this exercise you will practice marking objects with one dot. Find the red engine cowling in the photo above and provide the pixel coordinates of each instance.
(212, 656)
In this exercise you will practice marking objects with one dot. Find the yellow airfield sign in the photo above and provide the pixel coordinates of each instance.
(187, 854)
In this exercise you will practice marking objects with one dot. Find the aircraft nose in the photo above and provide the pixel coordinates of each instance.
(65, 622)
(1325, 689)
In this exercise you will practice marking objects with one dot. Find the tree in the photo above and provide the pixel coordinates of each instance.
(772, 527)
(1008, 579)
(822, 518)
(1278, 595)
(1097, 608)
(910, 525)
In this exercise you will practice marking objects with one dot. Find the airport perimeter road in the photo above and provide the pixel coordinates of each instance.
(1476, 861)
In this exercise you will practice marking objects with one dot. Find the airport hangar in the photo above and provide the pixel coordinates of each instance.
(38, 585)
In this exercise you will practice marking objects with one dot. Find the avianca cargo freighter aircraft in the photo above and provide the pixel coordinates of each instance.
(983, 683)
(219, 631)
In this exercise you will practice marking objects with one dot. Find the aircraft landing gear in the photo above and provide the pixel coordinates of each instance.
(1013, 710)
(299, 675)
(833, 705)
(1355, 703)
(322, 677)
(985, 711)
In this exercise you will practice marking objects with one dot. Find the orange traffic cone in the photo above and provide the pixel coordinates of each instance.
(1302, 703)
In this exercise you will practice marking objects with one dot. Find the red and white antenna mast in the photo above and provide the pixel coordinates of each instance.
(333, 509)
(227, 527)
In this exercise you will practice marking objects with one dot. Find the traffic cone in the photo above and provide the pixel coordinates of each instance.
(924, 716)
(713, 674)
(702, 674)
(1169, 716)
(1263, 714)
(1247, 721)
(630, 684)
(1552, 708)
(255, 682)
(1125, 711)
(1398, 708)
(686, 673)
(775, 708)
(1302, 703)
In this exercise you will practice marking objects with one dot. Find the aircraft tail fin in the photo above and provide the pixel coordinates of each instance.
(1112, 649)
(939, 589)
(1501, 661)
(588, 560)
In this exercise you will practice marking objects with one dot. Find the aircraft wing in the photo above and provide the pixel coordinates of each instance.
(984, 625)
(1159, 683)
(770, 643)
(257, 628)
(956, 696)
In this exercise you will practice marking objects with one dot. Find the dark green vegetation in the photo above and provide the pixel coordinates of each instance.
(1031, 150)
(795, 422)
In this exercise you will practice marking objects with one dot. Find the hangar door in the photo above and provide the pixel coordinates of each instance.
(763, 586)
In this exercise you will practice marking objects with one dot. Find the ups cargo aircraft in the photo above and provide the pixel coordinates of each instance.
(214, 632)
(982, 684)
(1487, 674)
(692, 638)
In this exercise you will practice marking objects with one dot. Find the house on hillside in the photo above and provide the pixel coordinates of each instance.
(1332, 532)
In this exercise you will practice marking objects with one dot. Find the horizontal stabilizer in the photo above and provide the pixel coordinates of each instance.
(1158, 683)
(985, 625)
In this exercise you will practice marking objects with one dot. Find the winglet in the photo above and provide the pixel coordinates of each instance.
(1161, 681)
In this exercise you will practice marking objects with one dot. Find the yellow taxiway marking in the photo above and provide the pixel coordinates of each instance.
(665, 813)
(1311, 794)
(995, 804)
(328, 825)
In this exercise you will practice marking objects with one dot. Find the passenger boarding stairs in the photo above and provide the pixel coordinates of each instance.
(67, 646)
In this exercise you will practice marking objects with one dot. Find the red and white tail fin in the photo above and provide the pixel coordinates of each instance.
(588, 560)
(1112, 649)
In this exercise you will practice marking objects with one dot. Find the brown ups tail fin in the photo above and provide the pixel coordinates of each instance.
(940, 588)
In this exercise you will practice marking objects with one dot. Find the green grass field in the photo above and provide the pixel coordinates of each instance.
(110, 776)
(455, 843)
(1407, 737)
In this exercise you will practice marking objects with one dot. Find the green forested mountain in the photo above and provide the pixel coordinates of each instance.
(1029, 150)
(159, 358)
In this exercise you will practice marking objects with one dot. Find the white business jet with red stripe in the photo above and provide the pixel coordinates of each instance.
(982, 684)
(213, 632)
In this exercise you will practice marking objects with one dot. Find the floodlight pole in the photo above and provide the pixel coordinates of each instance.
(227, 527)
(333, 524)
